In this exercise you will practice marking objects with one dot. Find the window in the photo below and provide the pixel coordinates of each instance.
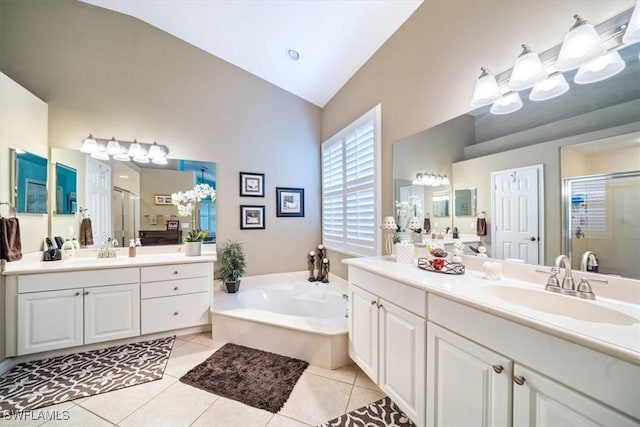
(351, 187)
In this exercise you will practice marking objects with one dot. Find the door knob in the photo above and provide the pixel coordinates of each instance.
(533, 239)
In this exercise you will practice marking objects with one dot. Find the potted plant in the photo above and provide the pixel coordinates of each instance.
(233, 265)
(193, 242)
(188, 203)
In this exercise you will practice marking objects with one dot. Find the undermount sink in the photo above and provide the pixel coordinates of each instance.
(562, 305)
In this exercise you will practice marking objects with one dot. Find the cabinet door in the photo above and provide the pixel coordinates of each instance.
(540, 401)
(402, 359)
(467, 384)
(363, 330)
(111, 312)
(49, 320)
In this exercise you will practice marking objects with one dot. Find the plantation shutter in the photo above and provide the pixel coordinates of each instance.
(351, 188)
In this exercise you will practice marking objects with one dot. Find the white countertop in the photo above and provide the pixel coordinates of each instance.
(471, 289)
(34, 265)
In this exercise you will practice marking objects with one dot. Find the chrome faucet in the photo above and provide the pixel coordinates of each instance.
(107, 249)
(584, 261)
(568, 287)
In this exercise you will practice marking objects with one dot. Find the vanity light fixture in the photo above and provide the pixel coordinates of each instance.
(632, 33)
(486, 90)
(430, 179)
(554, 86)
(104, 149)
(507, 104)
(89, 145)
(527, 71)
(581, 44)
(600, 69)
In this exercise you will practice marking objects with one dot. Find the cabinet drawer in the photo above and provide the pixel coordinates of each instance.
(76, 279)
(175, 271)
(181, 311)
(174, 287)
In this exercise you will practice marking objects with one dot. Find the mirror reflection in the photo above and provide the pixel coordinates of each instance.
(65, 190)
(465, 202)
(127, 200)
(29, 181)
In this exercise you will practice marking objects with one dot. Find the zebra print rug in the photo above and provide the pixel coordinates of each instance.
(383, 413)
(33, 385)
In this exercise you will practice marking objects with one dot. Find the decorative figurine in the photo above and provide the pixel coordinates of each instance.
(324, 273)
(321, 254)
(388, 229)
(311, 259)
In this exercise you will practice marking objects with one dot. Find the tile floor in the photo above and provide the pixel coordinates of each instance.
(319, 396)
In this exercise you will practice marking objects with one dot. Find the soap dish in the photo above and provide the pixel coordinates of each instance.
(446, 267)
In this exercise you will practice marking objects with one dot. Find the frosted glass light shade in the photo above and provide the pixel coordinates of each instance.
(135, 149)
(550, 88)
(160, 161)
(581, 44)
(527, 71)
(600, 69)
(89, 145)
(100, 155)
(507, 104)
(141, 159)
(632, 33)
(486, 90)
(121, 157)
(155, 151)
(113, 147)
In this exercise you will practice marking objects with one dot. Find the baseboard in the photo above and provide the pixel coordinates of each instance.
(6, 365)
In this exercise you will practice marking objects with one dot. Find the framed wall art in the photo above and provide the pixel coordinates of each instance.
(173, 225)
(251, 184)
(251, 217)
(162, 199)
(290, 202)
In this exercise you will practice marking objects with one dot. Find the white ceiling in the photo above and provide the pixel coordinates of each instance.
(334, 37)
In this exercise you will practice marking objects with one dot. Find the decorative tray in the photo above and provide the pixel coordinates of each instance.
(440, 265)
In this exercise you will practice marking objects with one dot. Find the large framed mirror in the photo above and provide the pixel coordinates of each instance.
(134, 200)
(29, 182)
(66, 189)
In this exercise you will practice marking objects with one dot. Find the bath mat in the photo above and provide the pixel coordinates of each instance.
(382, 413)
(33, 385)
(254, 377)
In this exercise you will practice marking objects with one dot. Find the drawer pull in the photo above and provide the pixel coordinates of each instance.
(175, 272)
(175, 289)
(498, 369)
(86, 292)
(380, 306)
(175, 313)
(374, 302)
(518, 379)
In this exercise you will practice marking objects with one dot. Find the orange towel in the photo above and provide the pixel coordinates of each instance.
(10, 243)
(86, 232)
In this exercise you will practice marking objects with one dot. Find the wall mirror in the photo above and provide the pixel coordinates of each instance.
(65, 184)
(465, 202)
(441, 204)
(605, 113)
(29, 182)
(134, 200)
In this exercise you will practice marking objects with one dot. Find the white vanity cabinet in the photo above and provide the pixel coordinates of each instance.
(388, 342)
(67, 309)
(175, 296)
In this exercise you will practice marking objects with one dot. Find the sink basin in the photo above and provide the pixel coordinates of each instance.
(563, 305)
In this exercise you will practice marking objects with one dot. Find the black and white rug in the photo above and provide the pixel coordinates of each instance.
(33, 385)
(382, 413)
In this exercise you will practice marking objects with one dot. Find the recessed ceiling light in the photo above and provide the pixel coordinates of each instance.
(293, 54)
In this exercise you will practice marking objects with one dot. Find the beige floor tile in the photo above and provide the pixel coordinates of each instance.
(363, 396)
(230, 413)
(79, 417)
(38, 417)
(316, 399)
(204, 338)
(117, 405)
(346, 374)
(186, 357)
(280, 421)
(178, 405)
(362, 380)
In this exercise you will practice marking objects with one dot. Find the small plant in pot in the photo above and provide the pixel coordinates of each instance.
(233, 265)
(193, 242)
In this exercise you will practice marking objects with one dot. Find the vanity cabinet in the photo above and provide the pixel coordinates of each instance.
(388, 341)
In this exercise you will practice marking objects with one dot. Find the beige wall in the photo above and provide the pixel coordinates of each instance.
(425, 73)
(113, 75)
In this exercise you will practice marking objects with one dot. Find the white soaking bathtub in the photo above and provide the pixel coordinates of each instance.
(286, 314)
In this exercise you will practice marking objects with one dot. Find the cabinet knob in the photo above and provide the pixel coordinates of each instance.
(86, 292)
(77, 294)
(175, 272)
(380, 306)
(498, 369)
(175, 313)
(374, 302)
(175, 289)
(518, 379)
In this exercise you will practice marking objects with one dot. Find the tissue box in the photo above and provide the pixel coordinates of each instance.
(405, 252)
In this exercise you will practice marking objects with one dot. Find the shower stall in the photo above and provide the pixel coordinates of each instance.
(125, 207)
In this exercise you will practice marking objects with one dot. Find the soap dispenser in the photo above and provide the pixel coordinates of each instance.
(132, 248)
(68, 250)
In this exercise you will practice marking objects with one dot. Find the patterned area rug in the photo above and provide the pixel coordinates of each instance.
(33, 385)
(383, 413)
(254, 377)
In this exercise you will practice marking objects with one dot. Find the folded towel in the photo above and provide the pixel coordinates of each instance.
(427, 225)
(86, 232)
(481, 227)
(10, 243)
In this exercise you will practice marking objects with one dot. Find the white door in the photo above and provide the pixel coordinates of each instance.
(98, 188)
(540, 401)
(467, 384)
(49, 320)
(403, 338)
(111, 312)
(518, 214)
(363, 330)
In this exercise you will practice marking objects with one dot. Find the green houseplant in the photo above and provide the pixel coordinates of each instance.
(233, 265)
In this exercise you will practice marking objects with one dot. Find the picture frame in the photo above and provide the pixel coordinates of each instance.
(289, 202)
(252, 217)
(251, 184)
(173, 225)
(162, 199)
